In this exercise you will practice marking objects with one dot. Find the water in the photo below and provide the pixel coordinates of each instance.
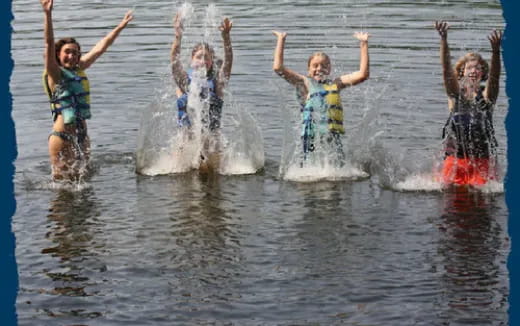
(256, 249)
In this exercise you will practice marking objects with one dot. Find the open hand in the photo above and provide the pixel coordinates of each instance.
(442, 28)
(47, 5)
(280, 35)
(128, 17)
(362, 36)
(226, 26)
(495, 38)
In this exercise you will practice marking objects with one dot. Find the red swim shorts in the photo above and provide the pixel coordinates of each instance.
(465, 171)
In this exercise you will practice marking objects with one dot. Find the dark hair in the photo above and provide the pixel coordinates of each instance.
(209, 49)
(61, 42)
(471, 56)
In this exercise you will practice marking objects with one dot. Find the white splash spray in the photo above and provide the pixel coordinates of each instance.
(164, 147)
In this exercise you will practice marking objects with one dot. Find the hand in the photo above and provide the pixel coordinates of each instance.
(128, 17)
(280, 35)
(177, 25)
(362, 36)
(47, 5)
(226, 26)
(442, 28)
(495, 38)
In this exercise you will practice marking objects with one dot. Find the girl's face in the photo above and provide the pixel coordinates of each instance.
(202, 59)
(69, 55)
(473, 71)
(319, 68)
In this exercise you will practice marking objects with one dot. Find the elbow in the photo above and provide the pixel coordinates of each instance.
(365, 74)
(278, 69)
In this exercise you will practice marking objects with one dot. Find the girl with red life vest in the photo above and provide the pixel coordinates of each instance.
(66, 84)
(212, 76)
(322, 112)
(468, 136)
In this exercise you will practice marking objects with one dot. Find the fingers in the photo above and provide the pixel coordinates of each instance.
(129, 15)
(442, 28)
(226, 25)
(46, 4)
(362, 36)
(495, 38)
(280, 34)
(495, 35)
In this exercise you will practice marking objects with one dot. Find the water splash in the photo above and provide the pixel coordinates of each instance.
(166, 147)
(29, 182)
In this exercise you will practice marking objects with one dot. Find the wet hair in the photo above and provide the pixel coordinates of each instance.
(318, 54)
(471, 56)
(61, 42)
(214, 61)
(205, 46)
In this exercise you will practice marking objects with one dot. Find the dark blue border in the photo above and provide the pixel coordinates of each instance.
(510, 8)
(8, 271)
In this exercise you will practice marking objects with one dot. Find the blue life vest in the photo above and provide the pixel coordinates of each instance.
(208, 92)
(469, 132)
(71, 97)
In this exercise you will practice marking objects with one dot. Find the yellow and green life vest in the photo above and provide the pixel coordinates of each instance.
(322, 110)
(71, 98)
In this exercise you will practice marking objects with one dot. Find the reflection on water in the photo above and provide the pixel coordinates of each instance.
(73, 265)
(472, 248)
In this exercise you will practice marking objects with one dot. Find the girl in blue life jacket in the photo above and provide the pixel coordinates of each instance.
(468, 136)
(216, 74)
(318, 94)
(66, 84)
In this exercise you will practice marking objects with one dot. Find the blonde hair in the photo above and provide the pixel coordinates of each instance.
(471, 56)
(318, 54)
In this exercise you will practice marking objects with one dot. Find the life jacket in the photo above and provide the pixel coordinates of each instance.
(468, 132)
(71, 98)
(324, 98)
(208, 92)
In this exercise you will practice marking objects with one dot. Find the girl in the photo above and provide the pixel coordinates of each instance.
(318, 94)
(469, 138)
(215, 76)
(67, 86)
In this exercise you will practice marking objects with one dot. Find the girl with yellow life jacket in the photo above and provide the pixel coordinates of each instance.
(322, 112)
(67, 86)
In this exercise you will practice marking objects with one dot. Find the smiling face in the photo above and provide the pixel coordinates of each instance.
(473, 70)
(319, 66)
(69, 55)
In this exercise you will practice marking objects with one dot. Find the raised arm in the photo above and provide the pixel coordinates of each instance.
(51, 65)
(292, 77)
(225, 28)
(179, 75)
(492, 86)
(364, 72)
(88, 59)
(450, 77)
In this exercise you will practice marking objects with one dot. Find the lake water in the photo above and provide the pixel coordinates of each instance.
(388, 247)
